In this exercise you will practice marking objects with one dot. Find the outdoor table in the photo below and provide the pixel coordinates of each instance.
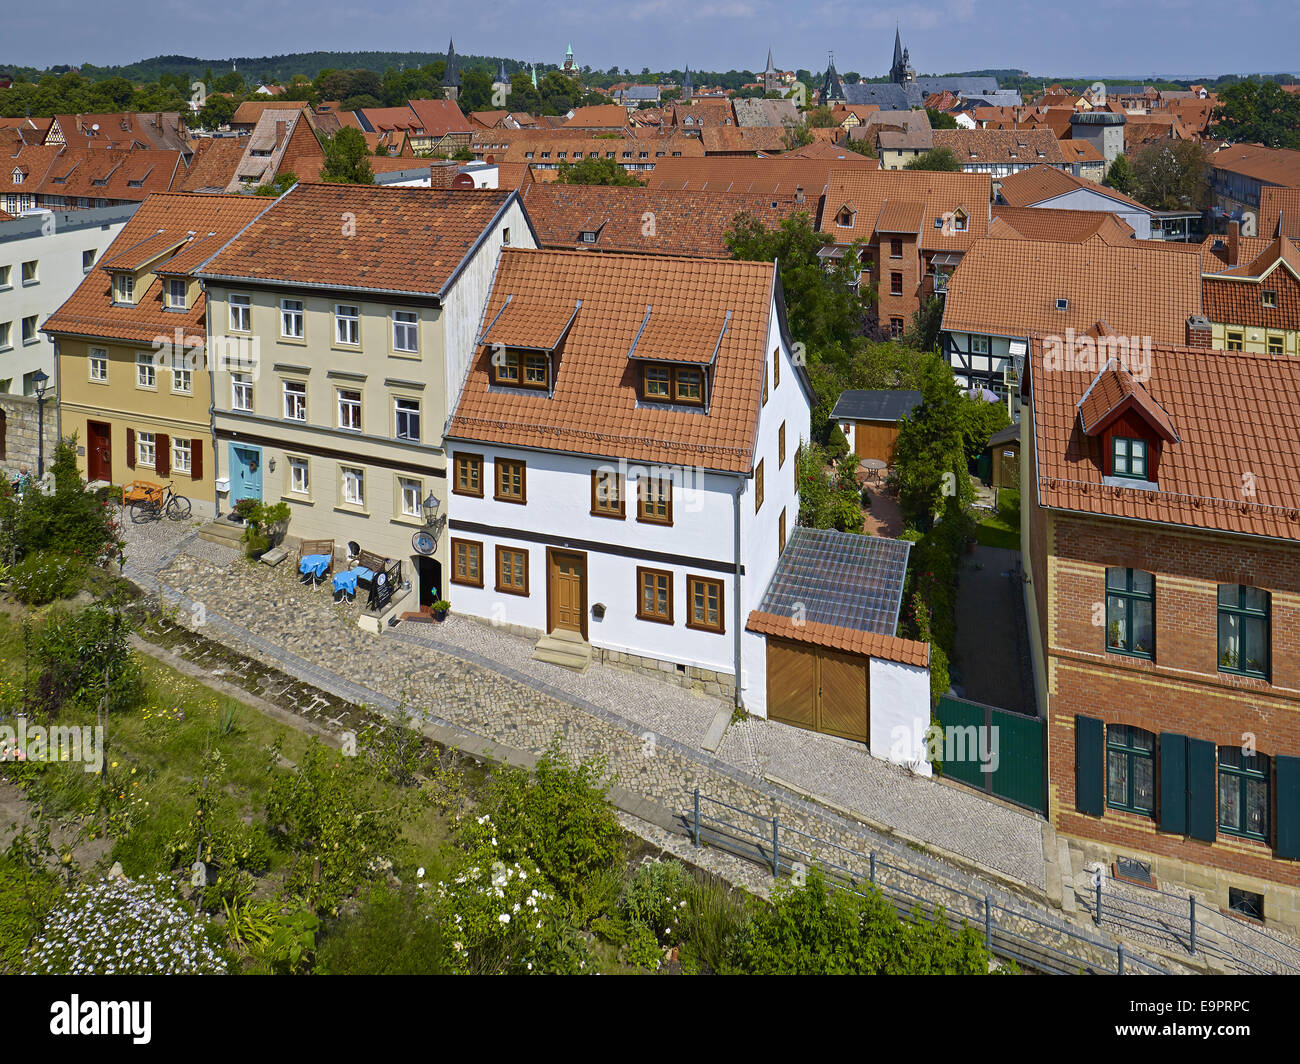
(366, 576)
(345, 583)
(874, 467)
(314, 565)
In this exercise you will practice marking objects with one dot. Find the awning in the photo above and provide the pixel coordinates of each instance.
(946, 258)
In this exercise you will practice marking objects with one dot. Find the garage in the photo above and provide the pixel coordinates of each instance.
(870, 420)
(818, 688)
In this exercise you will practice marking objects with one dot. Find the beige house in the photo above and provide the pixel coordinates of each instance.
(361, 306)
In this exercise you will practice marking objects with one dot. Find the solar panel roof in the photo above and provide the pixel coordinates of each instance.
(840, 578)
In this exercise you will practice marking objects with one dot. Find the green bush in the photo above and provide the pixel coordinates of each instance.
(74, 652)
(27, 892)
(657, 896)
(814, 929)
(836, 444)
(714, 917)
(45, 576)
(641, 948)
(560, 817)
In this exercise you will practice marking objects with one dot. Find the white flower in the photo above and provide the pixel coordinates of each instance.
(419, 873)
(504, 918)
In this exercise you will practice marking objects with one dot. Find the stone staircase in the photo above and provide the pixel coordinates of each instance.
(227, 533)
(564, 648)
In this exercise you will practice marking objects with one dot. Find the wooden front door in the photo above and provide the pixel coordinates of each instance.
(818, 689)
(99, 451)
(566, 591)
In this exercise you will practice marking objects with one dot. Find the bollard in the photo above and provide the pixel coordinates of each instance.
(696, 832)
(1098, 899)
(873, 868)
(1120, 951)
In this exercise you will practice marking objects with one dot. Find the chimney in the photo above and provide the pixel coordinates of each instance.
(442, 173)
(1234, 248)
(1199, 333)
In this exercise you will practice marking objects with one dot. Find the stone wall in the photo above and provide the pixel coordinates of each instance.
(19, 436)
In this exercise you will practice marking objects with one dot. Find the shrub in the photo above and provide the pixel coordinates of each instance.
(559, 816)
(45, 576)
(816, 930)
(75, 651)
(656, 896)
(27, 891)
(713, 919)
(124, 927)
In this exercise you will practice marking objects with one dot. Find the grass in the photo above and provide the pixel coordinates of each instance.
(154, 754)
(995, 531)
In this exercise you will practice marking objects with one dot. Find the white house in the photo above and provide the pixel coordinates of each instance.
(623, 457)
(44, 256)
(1046, 186)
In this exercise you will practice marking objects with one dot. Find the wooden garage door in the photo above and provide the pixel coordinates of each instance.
(818, 689)
(872, 440)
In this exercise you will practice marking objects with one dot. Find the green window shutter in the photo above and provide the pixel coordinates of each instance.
(1202, 790)
(1089, 765)
(1173, 783)
(1288, 807)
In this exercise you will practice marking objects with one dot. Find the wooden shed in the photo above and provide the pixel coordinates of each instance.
(1004, 458)
(870, 419)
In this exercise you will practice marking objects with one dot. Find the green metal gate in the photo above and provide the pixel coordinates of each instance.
(976, 736)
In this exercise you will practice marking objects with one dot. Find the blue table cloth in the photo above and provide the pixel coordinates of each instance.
(315, 564)
(346, 581)
(364, 573)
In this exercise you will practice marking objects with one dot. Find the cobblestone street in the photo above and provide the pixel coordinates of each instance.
(480, 687)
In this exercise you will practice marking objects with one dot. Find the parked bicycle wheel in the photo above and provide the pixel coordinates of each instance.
(178, 508)
(143, 511)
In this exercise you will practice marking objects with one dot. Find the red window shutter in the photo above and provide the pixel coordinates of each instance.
(196, 458)
(162, 454)
(130, 448)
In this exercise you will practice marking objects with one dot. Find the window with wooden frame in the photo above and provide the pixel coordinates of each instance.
(780, 536)
(512, 571)
(704, 604)
(467, 562)
(511, 480)
(765, 385)
(607, 493)
(654, 600)
(758, 487)
(672, 384)
(780, 446)
(776, 369)
(467, 474)
(654, 499)
(521, 369)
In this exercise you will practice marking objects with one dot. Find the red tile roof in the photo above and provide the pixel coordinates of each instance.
(1040, 183)
(1271, 166)
(1235, 414)
(837, 637)
(197, 224)
(594, 408)
(405, 239)
(1279, 212)
(1050, 223)
(1011, 288)
(908, 201)
(439, 117)
(765, 176)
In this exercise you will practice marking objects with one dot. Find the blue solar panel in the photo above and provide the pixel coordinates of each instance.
(839, 578)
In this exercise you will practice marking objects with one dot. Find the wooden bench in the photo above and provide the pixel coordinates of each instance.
(141, 491)
(317, 546)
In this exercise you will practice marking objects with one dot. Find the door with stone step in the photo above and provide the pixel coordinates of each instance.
(566, 591)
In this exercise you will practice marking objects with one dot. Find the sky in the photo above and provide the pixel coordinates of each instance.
(1093, 38)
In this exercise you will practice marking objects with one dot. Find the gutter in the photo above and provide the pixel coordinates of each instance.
(736, 607)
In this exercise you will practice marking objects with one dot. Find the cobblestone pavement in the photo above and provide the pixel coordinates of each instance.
(478, 683)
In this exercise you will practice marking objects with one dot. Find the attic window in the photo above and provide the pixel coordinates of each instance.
(1129, 457)
(588, 238)
(844, 219)
(1062, 304)
(521, 369)
(1267, 298)
(18, 176)
(672, 384)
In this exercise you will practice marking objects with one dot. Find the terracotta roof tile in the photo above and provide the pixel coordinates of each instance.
(1040, 183)
(525, 323)
(405, 239)
(1050, 223)
(1271, 166)
(1236, 414)
(765, 176)
(1279, 212)
(908, 201)
(1113, 391)
(196, 219)
(837, 637)
(685, 223)
(594, 408)
(1011, 288)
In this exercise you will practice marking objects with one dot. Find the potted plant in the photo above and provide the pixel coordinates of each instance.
(243, 510)
(440, 609)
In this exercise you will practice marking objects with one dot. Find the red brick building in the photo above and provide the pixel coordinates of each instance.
(915, 226)
(1162, 520)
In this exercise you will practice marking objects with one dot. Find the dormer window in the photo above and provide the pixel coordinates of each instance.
(176, 294)
(521, 369)
(844, 219)
(1129, 457)
(124, 288)
(17, 176)
(959, 221)
(673, 384)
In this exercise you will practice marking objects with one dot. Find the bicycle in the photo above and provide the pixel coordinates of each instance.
(160, 503)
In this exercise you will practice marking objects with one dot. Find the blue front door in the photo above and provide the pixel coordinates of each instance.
(245, 473)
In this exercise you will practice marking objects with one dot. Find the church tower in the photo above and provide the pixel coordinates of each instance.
(451, 75)
(771, 77)
(901, 73)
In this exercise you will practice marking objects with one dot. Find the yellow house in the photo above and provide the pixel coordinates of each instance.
(131, 352)
(363, 332)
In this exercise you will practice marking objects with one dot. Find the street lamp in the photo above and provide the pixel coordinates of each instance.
(41, 382)
(431, 505)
